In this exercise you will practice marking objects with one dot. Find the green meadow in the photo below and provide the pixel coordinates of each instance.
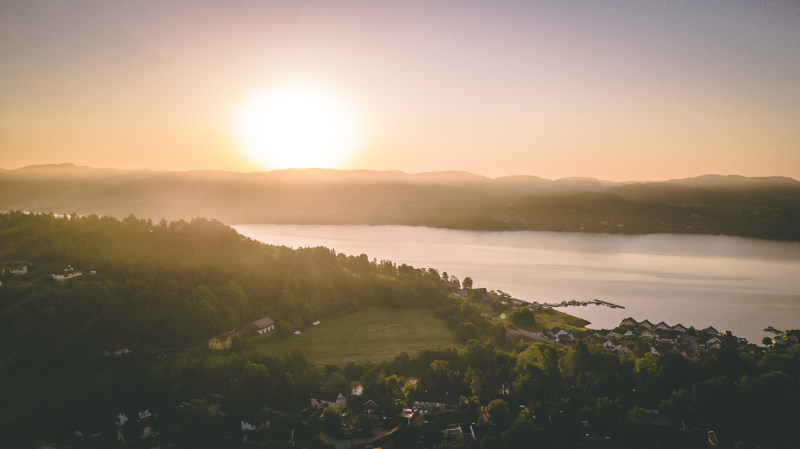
(371, 334)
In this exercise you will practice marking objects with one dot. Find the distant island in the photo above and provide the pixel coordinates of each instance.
(767, 208)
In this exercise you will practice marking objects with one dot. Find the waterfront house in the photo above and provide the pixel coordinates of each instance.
(613, 336)
(263, 325)
(559, 332)
(628, 322)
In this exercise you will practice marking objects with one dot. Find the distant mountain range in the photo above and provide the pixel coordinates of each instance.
(766, 207)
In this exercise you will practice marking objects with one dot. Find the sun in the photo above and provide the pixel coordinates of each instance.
(296, 127)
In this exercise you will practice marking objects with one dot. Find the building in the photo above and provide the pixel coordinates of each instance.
(628, 322)
(263, 325)
(431, 401)
(325, 399)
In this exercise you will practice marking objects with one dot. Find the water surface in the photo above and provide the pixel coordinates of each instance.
(731, 283)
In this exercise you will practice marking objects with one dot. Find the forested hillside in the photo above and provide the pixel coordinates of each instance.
(157, 288)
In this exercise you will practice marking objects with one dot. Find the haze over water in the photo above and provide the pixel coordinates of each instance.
(731, 283)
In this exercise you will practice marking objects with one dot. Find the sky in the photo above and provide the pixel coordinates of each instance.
(616, 90)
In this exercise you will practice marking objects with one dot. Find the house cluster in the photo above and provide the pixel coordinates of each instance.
(659, 338)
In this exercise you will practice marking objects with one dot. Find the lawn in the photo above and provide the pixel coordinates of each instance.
(371, 334)
(547, 319)
(550, 318)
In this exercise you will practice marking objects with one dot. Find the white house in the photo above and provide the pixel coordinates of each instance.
(609, 345)
(325, 399)
(679, 328)
(648, 335)
(19, 270)
(662, 326)
(315, 323)
(145, 414)
(647, 324)
(257, 426)
(628, 334)
(69, 275)
(624, 350)
(263, 325)
(121, 419)
(653, 350)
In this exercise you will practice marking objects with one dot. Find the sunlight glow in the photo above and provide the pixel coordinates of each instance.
(297, 127)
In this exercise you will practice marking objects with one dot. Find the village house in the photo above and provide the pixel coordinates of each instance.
(70, 273)
(653, 350)
(255, 425)
(647, 324)
(629, 322)
(679, 328)
(263, 325)
(711, 331)
(647, 335)
(623, 350)
(628, 334)
(609, 346)
(662, 326)
(19, 271)
(325, 399)
(431, 401)
(613, 336)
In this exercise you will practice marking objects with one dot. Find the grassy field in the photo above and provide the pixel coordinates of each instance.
(371, 334)
(547, 319)
(550, 318)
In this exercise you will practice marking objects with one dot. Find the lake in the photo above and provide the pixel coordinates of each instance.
(732, 283)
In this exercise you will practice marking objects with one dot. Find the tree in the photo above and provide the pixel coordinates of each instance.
(766, 341)
(499, 414)
(332, 420)
(523, 316)
(466, 331)
(467, 283)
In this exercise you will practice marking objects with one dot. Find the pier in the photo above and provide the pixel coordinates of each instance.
(574, 302)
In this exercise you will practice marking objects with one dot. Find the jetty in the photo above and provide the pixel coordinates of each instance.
(574, 302)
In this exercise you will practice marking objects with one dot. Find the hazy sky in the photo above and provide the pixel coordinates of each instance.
(619, 90)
